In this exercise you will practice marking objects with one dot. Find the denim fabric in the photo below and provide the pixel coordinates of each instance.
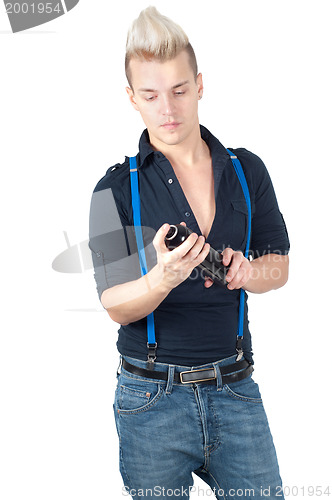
(168, 430)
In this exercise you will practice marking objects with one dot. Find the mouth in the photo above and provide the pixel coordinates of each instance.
(170, 125)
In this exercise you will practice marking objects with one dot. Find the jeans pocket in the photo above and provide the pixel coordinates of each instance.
(136, 395)
(244, 390)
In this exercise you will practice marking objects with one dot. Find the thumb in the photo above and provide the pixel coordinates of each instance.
(159, 239)
(208, 282)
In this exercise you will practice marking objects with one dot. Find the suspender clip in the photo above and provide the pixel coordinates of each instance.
(239, 348)
(151, 355)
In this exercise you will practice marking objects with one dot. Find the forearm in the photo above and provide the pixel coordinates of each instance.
(136, 299)
(269, 272)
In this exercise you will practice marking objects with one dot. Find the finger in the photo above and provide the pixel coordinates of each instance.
(183, 223)
(198, 252)
(159, 238)
(237, 259)
(204, 252)
(184, 248)
(208, 282)
(238, 278)
(243, 275)
(227, 255)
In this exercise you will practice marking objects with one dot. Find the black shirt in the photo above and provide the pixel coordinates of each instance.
(194, 325)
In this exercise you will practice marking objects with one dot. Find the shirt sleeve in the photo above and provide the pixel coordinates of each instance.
(269, 233)
(112, 242)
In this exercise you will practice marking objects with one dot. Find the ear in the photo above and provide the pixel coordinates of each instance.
(132, 98)
(199, 82)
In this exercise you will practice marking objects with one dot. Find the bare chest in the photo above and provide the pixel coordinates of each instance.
(198, 188)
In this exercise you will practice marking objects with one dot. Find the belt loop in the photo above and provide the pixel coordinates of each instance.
(218, 376)
(170, 379)
(119, 365)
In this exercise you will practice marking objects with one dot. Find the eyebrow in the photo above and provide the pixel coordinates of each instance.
(174, 87)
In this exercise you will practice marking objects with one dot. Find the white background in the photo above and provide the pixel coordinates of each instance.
(65, 119)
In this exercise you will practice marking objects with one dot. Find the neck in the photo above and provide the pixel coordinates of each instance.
(187, 154)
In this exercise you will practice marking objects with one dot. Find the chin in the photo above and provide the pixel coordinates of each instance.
(172, 138)
(171, 142)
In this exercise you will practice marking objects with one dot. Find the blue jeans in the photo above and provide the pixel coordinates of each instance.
(168, 430)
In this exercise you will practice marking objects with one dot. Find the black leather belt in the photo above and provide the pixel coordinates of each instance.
(208, 375)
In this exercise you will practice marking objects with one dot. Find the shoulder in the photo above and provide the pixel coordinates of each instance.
(249, 160)
(115, 177)
(253, 166)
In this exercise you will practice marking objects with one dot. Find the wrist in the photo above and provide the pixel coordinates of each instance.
(156, 279)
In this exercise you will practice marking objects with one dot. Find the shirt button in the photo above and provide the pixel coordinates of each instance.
(187, 214)
(170, 181)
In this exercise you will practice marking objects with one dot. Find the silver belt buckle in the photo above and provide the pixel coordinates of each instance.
(200, 380)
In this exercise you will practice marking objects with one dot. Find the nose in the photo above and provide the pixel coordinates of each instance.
(167, 105)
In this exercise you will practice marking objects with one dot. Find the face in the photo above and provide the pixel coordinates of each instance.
(166, 95)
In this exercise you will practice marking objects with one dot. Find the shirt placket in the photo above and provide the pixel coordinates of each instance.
(177, 193)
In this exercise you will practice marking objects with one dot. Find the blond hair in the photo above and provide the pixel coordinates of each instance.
(153, 35)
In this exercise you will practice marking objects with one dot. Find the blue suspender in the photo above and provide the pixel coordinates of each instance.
(135, 199)
(239, 172)
(152, 344)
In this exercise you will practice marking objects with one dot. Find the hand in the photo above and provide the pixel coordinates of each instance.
(176, 265)
(240, 270)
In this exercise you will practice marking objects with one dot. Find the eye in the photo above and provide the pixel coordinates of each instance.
(151, 98)
(180, 93)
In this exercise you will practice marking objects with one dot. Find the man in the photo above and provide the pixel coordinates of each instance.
(188, 403)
